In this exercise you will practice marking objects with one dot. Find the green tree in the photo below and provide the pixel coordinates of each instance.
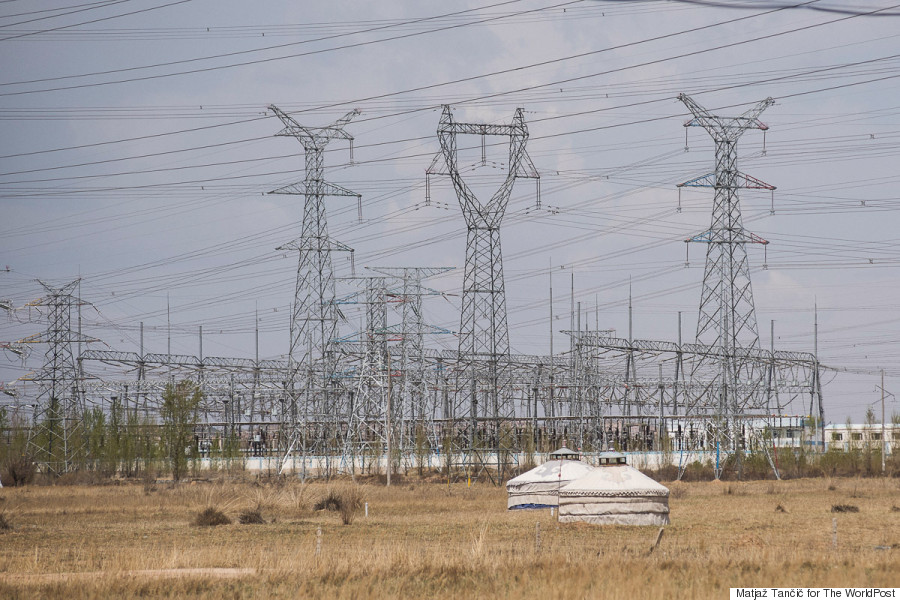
(5, 434)
(96, 440)
(179, 411)
(868, 448)
(895, 435)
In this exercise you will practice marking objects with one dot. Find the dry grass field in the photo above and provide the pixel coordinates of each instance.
(425, 540)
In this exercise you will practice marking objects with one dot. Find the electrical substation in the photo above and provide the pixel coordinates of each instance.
(354, 398)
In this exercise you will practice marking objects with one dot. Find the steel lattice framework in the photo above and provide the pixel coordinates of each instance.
(59, 408)
(314, 319)
(483, 330)
(687, 408)
(361, 401)
(413, 410)
(727, 317)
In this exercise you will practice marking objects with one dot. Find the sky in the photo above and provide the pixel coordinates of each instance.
(138, 153)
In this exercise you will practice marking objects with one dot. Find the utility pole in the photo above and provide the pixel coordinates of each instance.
(550, 398)
(883, 442)
(387, 418)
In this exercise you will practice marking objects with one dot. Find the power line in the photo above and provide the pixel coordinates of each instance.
(14, 37)
(264, 60)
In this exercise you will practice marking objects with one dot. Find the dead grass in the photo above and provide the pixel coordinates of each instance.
(433, 541)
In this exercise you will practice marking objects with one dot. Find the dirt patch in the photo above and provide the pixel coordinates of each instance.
(750, 541)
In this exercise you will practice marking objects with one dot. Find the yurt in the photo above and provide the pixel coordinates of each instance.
(614, 494)
(538, 487)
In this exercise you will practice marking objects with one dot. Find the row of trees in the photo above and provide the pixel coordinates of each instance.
(116, 441)
(123, 442)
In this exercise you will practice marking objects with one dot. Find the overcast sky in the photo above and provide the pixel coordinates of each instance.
(138, 152)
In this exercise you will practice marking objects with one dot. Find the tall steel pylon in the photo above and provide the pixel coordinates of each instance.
(727, 317)
(314, 320)
(483, 331)
(55, 437)
(727, 297)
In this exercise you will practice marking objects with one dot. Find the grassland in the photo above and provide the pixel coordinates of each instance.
(427, 540)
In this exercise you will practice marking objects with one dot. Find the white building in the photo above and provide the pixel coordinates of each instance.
(861, 435)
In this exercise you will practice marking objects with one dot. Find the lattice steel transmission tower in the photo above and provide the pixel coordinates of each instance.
(483, 332)
(727, 297)
(55, 437)
(369, 413)
(411, 407)
(314, 320)
(727, 317)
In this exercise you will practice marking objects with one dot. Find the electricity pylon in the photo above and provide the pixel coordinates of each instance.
(483, 331)
(727, 316)
(56, 436)
(411, 408)
(369, 413)
(314, 320)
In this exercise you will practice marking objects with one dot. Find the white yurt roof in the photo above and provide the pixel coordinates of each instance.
(615, 480)
(539, 486)
(616, 494)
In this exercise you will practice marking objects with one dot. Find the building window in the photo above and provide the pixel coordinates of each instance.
(856, 437)
(837, 437)
(876, 436)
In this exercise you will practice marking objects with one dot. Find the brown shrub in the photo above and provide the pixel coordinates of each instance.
(19, 470)
(677, 490)
(81, 477)
(5, 525)
(251, 517)
(351, 502)
(211, 517)
(842, 508)
(347, 501)
(331, 501)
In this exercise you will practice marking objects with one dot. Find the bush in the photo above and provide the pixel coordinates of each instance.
(665, 473)
(351, 502)
(19, 470)
(251, 517)
(331, 501)
(5, 525)
(697, 471)
(211, 517)
(347, 501)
